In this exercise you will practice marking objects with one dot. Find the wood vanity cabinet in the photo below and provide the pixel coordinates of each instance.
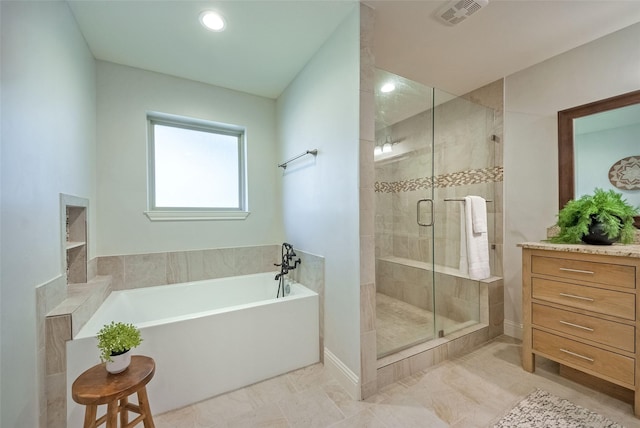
(580, 309)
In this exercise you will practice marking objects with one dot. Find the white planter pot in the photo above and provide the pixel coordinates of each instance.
(119, 363)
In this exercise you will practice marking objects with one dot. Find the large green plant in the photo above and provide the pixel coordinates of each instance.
(117, 338)
(607, 207)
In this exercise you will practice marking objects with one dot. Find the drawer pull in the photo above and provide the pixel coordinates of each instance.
(588, 272)
(575, 325)
(577, 355)
(573, 296)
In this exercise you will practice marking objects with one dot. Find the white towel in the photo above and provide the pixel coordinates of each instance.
(478, 214)
(474, 243)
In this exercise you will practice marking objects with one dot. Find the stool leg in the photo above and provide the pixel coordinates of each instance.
(90, 414)
(124, 412)
(143, 401)
(112, 414)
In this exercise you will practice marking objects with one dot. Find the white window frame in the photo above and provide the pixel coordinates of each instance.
(155, 213)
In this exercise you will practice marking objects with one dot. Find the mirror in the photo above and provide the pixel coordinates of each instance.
(577, 130)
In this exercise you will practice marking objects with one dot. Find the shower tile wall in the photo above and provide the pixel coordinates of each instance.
(466, 163)
(457, 297)
(406, 283)
(462, 167)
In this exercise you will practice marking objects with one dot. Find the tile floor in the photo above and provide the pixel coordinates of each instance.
(471, 391)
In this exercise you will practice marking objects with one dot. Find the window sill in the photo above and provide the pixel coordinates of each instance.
(195, 215)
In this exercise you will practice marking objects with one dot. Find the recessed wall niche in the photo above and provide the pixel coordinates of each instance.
(75, 238)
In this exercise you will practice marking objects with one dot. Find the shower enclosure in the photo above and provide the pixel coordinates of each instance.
(432, 149)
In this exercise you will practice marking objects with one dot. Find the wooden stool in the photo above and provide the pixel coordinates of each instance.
(97, 386)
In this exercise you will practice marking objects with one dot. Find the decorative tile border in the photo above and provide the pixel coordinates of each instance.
(461, 178)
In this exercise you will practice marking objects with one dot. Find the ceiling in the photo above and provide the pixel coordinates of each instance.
(502, 38)
(264, 47)
(268, 42)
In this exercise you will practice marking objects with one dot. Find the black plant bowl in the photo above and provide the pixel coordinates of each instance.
(597, 236)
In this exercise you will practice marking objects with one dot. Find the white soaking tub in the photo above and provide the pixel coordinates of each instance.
(206, 337)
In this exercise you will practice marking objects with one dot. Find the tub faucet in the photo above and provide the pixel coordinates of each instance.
(287, 264)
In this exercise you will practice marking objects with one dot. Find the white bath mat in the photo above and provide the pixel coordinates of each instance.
(545, 410)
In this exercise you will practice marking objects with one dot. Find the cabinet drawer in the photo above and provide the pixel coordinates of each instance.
(601, 273)
(599, 300)
(571, 352)
(610, 333)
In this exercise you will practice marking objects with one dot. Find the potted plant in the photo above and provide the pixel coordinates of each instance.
(600, 219)
(115, 340)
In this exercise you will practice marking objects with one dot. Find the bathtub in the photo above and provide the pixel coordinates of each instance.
(206, 337)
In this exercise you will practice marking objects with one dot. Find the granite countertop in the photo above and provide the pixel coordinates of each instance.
(607, 250)
(631, 250)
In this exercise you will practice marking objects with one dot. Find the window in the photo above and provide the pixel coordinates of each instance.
(196, 169)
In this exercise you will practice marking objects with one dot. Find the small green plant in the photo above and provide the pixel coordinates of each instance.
(117, 338)
(605, 207)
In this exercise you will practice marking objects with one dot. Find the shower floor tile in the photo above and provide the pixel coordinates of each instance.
(400, 325)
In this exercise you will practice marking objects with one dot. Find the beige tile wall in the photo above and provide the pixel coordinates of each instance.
(146, 270)
(63, 310)
(368, 363)
(48, 296)
(311, 274)
(464, 164)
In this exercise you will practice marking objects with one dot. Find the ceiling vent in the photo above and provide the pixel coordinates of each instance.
(458, 10)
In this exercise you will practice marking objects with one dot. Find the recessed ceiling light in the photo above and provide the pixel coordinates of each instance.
(212, 20)
(388, 87)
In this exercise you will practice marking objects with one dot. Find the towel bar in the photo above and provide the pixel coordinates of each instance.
(283, 165)
(462, 200)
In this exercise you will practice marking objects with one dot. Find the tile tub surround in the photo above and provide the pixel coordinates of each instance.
(67, 309)
(61, 323)
(235, 330)
(146, 270)
(48, 296)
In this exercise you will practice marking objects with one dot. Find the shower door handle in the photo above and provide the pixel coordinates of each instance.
(420, 201)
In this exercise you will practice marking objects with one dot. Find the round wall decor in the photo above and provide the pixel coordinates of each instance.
(625, 174)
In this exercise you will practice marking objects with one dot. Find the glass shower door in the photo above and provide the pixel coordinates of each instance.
(403, 155)
(464, 165)
(432, 150)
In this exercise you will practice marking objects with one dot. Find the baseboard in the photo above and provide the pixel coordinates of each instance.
(513, 329)
(345, 377)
